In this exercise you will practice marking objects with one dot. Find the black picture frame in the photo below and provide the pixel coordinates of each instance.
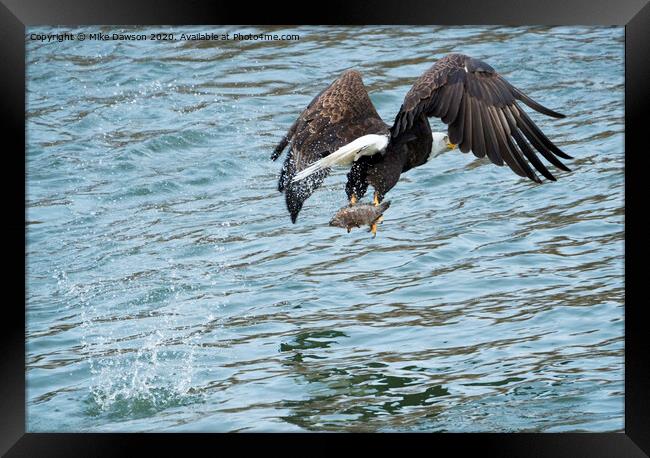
(15, 15)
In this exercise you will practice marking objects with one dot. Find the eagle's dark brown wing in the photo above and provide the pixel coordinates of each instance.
(340, 114)
(480, 107)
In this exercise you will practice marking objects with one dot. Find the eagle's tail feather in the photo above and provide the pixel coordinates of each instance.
(345, 155)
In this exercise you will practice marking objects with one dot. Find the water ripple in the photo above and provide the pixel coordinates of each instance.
(168, 290)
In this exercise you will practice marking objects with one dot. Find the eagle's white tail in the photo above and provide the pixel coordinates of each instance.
(345, 155)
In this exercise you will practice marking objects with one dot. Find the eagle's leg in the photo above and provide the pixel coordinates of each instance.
(373, 229)
(353, 199)
(375, 199)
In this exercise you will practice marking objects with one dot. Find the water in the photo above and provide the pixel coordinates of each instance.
(169, 291)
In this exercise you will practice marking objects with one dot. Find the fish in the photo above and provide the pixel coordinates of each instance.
(358, 215)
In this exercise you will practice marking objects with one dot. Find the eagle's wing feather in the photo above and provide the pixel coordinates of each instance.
(480, 107)
(340, 114)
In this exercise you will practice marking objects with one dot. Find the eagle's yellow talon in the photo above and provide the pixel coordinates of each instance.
(373, 229)
(353, 200)
(375, 199)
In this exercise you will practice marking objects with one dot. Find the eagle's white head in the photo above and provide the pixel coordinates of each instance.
(440, 144)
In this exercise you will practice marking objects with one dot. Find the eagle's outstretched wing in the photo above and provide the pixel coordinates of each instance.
(480, 107)
(340, 114)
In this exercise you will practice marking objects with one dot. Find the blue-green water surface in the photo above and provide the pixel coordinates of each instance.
(167, 289)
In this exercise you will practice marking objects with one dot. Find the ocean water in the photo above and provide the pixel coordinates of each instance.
(167, 289)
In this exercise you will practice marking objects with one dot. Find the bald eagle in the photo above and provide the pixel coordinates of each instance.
(341, 127)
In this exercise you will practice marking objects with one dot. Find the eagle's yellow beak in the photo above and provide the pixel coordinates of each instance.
(451, 145)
